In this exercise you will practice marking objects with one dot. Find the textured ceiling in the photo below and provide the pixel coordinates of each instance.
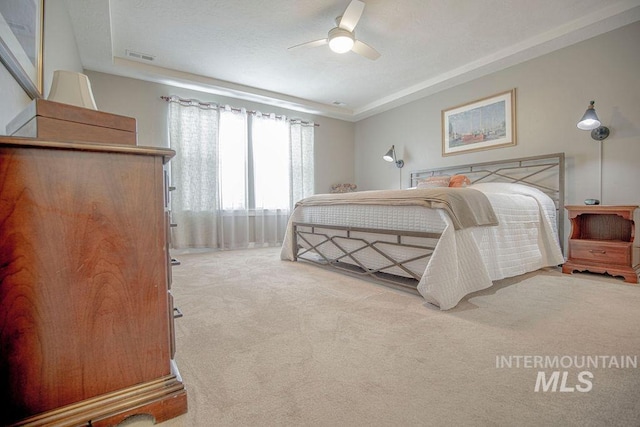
(239, 47)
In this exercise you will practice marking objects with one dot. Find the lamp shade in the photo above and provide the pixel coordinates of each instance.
(69, 87)
(391, 155)
(590, 119)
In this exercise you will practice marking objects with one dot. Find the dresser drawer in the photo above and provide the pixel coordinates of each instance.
(618, 253)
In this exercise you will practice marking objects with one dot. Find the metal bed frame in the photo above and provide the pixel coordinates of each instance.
(303, 231)
(545, 172)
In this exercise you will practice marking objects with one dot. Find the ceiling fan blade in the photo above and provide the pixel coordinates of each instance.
(365, 50)
(314, 43)
(351, 15)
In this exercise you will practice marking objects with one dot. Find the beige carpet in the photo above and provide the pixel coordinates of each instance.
(265, 342)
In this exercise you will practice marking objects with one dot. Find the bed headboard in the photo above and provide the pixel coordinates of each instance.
(545, 172)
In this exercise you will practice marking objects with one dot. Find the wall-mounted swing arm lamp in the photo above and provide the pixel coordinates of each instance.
(591, 122)
(391, 157)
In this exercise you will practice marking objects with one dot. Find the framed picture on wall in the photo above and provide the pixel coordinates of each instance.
(21, 37)
(480, 125)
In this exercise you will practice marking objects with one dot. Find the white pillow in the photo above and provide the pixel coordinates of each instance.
(434, 181)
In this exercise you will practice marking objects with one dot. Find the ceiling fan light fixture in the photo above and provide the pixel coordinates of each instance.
(340, 40)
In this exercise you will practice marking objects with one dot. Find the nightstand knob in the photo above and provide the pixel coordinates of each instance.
(594, 251)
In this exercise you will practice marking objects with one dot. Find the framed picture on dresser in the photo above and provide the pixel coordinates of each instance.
(21, 40)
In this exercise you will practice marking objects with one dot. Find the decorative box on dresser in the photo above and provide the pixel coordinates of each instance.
(86, 317)
(603, 240)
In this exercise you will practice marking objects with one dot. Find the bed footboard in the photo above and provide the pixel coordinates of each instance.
(394, 257)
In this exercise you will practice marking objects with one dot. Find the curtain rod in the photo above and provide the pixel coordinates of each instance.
(211, 105)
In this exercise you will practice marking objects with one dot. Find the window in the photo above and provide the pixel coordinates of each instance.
(233, 159)
(237, 174)
(270, 144)
(254, 161)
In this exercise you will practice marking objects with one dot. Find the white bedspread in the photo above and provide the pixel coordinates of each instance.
(466, 260)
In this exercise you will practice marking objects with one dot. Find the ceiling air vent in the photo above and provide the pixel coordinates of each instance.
(139, 55)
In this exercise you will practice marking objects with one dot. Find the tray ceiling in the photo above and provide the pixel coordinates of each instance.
(239, 48)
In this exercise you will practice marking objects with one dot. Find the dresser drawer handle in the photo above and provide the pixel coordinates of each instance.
(594, 251)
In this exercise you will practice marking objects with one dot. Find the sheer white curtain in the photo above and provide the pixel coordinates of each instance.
(244, 173)
(193, 134)
(301, 140)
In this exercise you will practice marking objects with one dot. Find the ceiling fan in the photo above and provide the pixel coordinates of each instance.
(342, 39)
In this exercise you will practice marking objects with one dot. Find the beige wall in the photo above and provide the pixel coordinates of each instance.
(553, 92)
(60, 53)
(334, 150)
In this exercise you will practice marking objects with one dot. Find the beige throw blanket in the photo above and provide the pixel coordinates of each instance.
(466, 207)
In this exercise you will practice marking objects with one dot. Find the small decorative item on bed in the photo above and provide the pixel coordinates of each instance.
(343, 188)
(444, 241)
(486, 123)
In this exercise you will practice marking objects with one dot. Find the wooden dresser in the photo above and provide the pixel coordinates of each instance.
(85, 307)
(602, 240)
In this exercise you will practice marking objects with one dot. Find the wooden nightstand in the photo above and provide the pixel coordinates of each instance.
(602, 241)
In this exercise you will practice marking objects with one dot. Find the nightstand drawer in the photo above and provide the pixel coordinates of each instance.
(618, 253)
